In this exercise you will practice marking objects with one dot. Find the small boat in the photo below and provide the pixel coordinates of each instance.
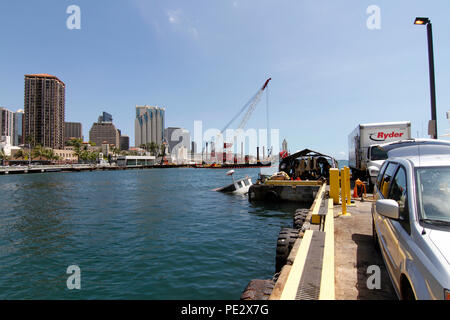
(240, 186)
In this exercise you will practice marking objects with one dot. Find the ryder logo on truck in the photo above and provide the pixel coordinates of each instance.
(382, 136)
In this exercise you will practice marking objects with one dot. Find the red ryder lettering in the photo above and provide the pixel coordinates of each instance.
(393, 134)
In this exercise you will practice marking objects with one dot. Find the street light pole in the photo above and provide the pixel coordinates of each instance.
(422, 21)
(432, 78)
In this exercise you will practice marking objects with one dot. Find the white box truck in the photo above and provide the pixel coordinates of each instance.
(365, 160)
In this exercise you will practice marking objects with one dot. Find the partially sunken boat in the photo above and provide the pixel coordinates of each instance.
(240, 186)
(298, 179)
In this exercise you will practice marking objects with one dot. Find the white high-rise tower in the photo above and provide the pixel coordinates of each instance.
(149, 125)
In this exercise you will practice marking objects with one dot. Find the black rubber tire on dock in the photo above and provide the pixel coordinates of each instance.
(285, 242)
(258, 290)
(300, 217)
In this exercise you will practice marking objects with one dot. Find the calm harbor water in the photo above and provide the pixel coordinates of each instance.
(135, 234)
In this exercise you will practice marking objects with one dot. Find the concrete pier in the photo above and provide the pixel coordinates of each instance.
(355, 252)
(331, 258)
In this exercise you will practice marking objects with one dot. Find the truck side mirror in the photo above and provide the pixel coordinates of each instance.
(388, 208)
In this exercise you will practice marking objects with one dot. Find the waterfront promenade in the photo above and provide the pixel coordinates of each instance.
(77, 168)
(104, 167)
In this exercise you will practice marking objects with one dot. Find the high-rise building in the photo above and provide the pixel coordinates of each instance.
(124, 143)
(6, 123)
(104, 132)
(73, 130)
(149, 125)
(105, 117)
(18, 127)
(44, 110)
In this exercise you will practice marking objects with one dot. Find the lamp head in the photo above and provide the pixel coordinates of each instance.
(422, 21)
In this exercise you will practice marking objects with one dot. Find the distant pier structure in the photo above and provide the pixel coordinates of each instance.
(284, 145)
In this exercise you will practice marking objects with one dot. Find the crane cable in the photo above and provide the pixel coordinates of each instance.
(251, 106)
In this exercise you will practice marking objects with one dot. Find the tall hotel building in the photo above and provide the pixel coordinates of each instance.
(6, 123)
(149, 125)
(44, 110)
(11, 125)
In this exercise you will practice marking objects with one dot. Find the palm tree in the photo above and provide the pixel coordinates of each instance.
(49, 154)
(115, 151)
(30, 141)
(162, 152)
(93, 156)
(153, 148)
(77, 152)
(21, 154)
(3, 156)
(74, 142)
(38, 152)
(84, 155)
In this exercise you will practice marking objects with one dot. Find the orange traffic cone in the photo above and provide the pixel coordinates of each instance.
(355, 189)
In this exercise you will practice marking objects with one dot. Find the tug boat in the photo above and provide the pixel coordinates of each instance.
(240, 186)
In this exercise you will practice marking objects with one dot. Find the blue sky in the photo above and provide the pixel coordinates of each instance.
(203, 60)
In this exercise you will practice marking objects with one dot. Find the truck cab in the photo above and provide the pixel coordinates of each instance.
(376, 156)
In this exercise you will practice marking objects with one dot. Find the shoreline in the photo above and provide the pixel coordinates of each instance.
(89, 167)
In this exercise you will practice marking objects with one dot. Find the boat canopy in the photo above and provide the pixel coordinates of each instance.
(307, 164)
(309, 153)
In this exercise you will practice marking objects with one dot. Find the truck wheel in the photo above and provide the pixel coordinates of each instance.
(300, 217)
(285, 242)
(258, 290)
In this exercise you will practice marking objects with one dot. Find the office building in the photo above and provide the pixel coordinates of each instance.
(44, 110)
(18, 127)
(149, 125)
(104, 132)
(105, 117)
(6, 123)
(124, 143)
(73, 130)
